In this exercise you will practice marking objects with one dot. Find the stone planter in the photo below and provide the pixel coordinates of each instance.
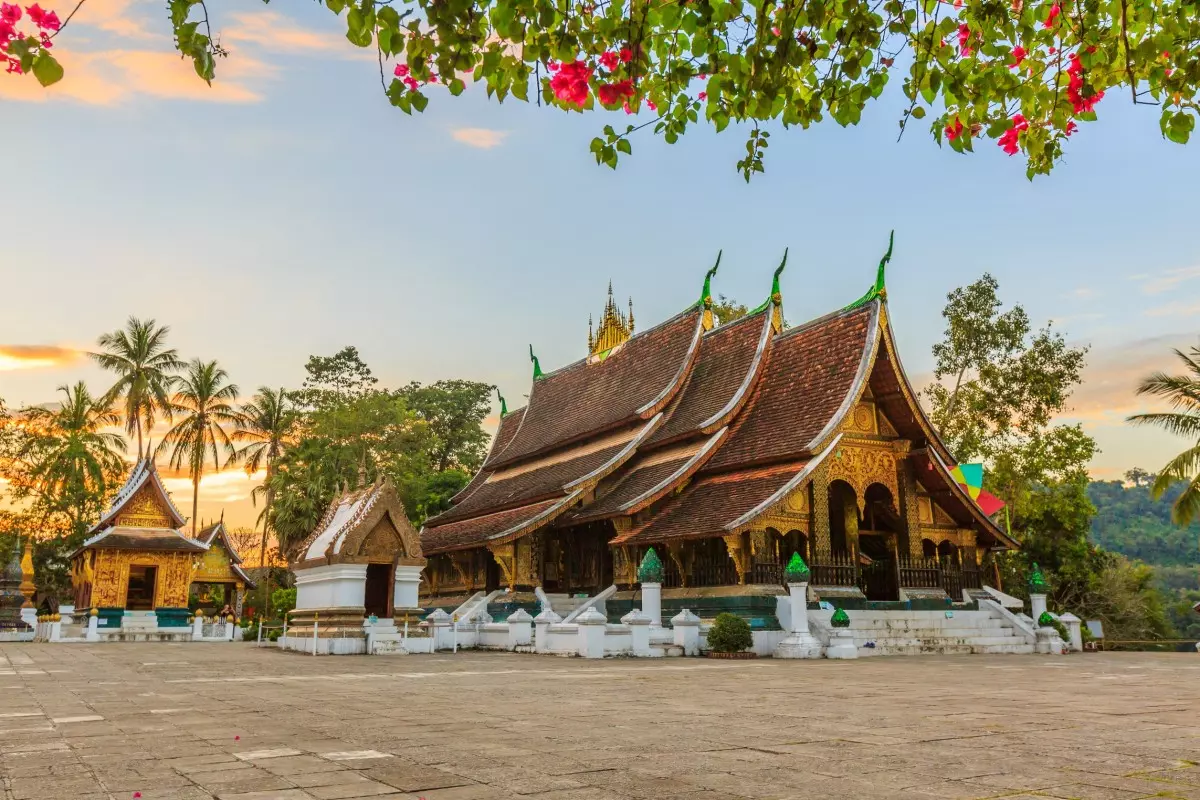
(739, 656)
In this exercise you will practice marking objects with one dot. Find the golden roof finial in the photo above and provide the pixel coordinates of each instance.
(614, 328)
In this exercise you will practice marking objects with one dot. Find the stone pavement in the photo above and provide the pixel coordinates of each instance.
(239, 723)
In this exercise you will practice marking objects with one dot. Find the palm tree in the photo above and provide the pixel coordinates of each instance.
(268, 421)
(144, 366)
(71, 459)
(1183, 393)
(204, 402)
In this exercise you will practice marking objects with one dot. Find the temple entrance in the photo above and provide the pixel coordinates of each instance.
(878, 576)
(139, 594)
(378, 592)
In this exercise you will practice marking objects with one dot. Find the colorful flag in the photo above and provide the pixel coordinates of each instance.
(970, 478)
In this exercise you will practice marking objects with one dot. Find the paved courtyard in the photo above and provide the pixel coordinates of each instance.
(232, 721)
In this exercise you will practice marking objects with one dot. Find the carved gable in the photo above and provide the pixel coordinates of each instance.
(144, 510)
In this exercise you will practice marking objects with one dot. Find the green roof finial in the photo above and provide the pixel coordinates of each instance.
(879, 289)
(775, 280)
(503, 405)
(840, 619)
(651, 569)
(796, 570)
(706, 292)
(1037, 581)
(537, 367)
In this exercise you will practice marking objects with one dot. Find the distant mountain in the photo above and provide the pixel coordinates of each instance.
(1130, 522)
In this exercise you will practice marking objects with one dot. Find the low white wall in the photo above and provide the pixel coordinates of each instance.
(325, 647)
(331, 586)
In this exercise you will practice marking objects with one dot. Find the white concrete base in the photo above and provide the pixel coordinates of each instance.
(325, 647)
(398, 645)
(1048, 642)
(841, 644)
(17, 636)
(799, 645)
(29, 616)
(331, 586)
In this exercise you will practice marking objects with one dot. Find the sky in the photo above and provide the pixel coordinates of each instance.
(288, 210)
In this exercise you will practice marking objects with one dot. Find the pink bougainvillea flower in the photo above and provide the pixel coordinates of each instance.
(6, 32)
(1018, 55)
(1071, 127)
(14, 66)
(776, 31)
(609, 61)
(954, 129)
(401, 70)
(46, 20)
(570, 83)
(651, 105)
(1008, 141)
(628, 108)
(136, 795)
(702, 96)
(552, 66)
(411, 83)
(958, 3)
(47, 43)
(1076, 85)
(703, 76)
(10, 13)
(964, 39)
(626, 55)
(612, 93)
(1055, 10)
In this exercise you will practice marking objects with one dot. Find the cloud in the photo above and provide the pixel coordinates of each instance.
(1108, 393)
(114, 16)
(483, 138)
(1165, 281)
(1177, 309)
(111, 77)
(1082, 293)
(226, 486)
(277, 34)
(36, 356)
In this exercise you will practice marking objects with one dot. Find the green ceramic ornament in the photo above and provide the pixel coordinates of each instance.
(651, 569)
(1037, 581)
(796, 570)
(840, 619)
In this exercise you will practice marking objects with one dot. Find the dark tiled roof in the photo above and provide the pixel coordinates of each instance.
(708, 506)
(532, 485)
(631, 486)
(504, 434)
(583, 398)
(727, 354)
(474, 532)
(157, 539)
(811, 370)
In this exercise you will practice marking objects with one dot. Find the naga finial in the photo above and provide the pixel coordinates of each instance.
(503, 405)
(706, 292)
(537, 367)
(879, 289)
(776, 296)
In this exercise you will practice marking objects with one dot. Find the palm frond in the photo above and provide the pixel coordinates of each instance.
(1172, 422)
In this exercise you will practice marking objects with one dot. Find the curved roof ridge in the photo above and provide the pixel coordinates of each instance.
(695, 307)
(870, 350)
(740, 396)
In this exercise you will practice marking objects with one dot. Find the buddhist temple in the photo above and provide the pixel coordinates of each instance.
(726, 447)
(220, 566)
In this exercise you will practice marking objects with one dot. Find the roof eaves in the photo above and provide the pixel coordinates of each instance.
(784, 490)
(870, 348)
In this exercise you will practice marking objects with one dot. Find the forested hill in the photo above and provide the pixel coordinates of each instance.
(1129, 521)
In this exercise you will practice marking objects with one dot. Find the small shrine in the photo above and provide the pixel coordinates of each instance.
(361, 566)
(219, 580)
(137, 567)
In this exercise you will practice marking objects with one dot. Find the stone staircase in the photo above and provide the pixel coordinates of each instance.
(564, 604)
(879, 633)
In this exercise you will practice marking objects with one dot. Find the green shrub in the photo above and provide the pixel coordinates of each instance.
(729, 634)
(283, 601)
(273, 636)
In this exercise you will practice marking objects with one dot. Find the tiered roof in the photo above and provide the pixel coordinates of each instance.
(218, 533)
(365, 524)
(142, 517)
(702, 426)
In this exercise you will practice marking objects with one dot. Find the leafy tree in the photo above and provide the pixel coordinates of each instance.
(66, 462)
(204, 401)
(1183, 394)
(144, 366)
(267, 423)
(1139, 477)
(454, 411)
(335, 378)
(1024, 73)
(726, 309)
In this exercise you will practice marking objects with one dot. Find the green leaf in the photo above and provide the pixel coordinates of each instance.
(46, 69)
(456, 87)
(204, 65)
(624, 146)
(419, 101)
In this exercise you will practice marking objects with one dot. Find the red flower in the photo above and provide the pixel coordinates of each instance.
(626, 55)
(775, 31)
(46, 42)
(651, 105)
(1055, 10)
(1071, 127)
(954, 130)
(958, 3)
(702, 96)
(1053, 50)
(611, 93)
(401, 70)
(10, 13)
(570, 83)
(1009, 139)
(1018, 55)
(552, 66)
(6, 32)
(964, 38)
(609, 61)
(411, 83)
(43, 19)
(1076, 85)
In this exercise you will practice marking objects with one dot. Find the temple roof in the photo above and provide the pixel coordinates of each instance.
(117, 537)
(634, 382)
(351, 520)
(219, 533)
(143, 474)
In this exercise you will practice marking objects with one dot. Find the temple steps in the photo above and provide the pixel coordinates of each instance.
(933, 632)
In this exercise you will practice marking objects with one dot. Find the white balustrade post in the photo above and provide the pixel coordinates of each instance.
(93, 628)
(198, 626)
(799, 643)
(652, 604)
(542, 623)
(55, 632)
(1074, 631)
(520, 629)
(1037, 606)
(439, 624)
(315, 616)
(592, 627)
(639, 628)
(687, 632)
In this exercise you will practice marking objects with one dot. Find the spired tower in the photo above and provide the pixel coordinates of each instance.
(615, 327)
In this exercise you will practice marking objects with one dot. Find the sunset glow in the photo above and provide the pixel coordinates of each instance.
(32, 356)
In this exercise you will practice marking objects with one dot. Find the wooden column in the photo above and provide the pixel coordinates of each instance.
(908, 505)
(821, 545)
